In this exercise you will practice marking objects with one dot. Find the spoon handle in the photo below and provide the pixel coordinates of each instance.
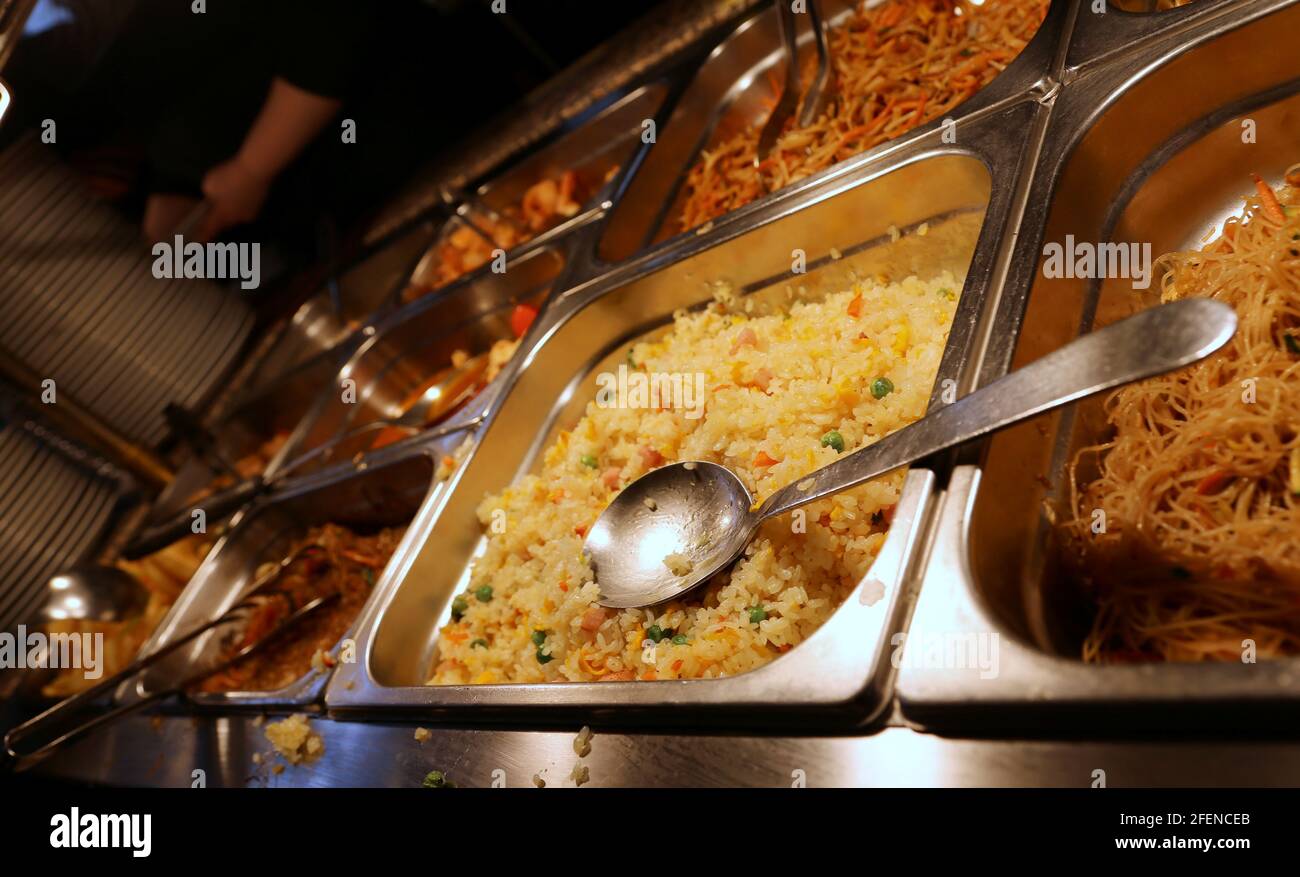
(1153, 342)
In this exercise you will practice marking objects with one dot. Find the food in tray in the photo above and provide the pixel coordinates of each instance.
(1199, 477)
(333, 559)
(898, 65)
(782, 395)
(461, 381)
(466, 248)
(164, 574)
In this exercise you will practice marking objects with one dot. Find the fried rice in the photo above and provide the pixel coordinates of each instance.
(784, 394)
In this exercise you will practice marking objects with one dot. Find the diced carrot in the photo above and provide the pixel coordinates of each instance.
(762, 461)
(855, 306)
(1272, 208)
(1214, 482)
(521, 318)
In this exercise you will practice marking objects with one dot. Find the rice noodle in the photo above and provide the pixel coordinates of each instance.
(1200, 486)
(897, 66)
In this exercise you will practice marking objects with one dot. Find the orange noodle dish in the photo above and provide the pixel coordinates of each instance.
(1200, 475)
(332, 559)
(897, 65)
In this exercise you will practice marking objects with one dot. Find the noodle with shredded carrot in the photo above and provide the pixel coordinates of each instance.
(897, 65)
(1200, 479)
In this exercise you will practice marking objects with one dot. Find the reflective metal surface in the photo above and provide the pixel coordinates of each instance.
(732, 90)
(1158, 154)
(386, 491)
(102, 593)
(166, 752)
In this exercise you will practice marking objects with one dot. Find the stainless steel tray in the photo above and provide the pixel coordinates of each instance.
(733, 89)
(252, 418)
(1155, 155)
(598, 149)
(371, 287)
(360, 292)
(387, 491)
(395, 355)
(961, 193)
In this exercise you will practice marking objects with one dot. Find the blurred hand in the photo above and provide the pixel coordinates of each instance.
(163, 213)
(236, 194)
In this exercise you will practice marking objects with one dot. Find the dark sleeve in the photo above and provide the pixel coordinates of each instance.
(323, 46)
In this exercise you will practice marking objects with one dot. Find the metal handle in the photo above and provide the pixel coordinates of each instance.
(1153, 342)
(789, 98)
(216, 506)
(818, 96)
(66, 709)
(5, 99)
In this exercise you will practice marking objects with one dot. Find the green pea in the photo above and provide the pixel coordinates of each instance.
(834, 440)
(484, 594)
(539, 637)
(1291, 343)
(436, 779)
(590, 461)
(543, 658)
(655, 633)
(757, 614)
(458, 606)
(680, 640)
(882, 387)
(479, 644)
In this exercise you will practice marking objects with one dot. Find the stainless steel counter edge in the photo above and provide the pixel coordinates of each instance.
(181, 752)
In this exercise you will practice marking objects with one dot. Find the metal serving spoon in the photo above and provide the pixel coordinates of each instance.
(98, 593)
(703, 513)
(820, 92)
(70, 719)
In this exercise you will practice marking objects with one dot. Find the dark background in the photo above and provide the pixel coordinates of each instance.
(146, 100)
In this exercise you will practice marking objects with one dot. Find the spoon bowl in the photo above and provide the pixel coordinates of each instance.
(668, 532)
(93, 593)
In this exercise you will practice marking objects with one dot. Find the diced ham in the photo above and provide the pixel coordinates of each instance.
(593, 618)
(611, 477)
(651, 457)
(620, 676)
(746, 338)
